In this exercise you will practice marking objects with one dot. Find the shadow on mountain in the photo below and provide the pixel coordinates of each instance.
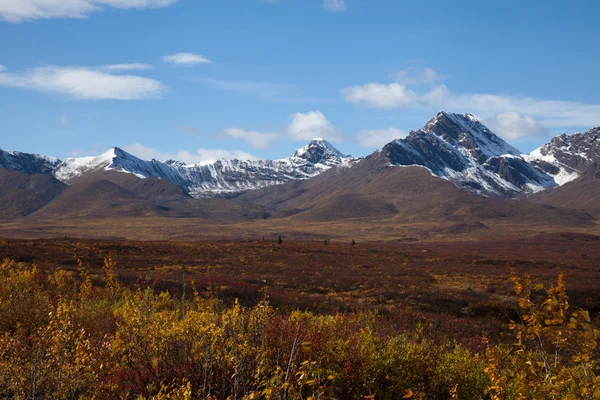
(373, 188)
(22, 194)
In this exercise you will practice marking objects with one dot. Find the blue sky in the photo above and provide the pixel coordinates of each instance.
(201, 79)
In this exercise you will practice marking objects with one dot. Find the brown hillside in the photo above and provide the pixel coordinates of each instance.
(373, 189)
(582, 193)
(153, 189)
(110, 194)
(99, 199)
(21, 194)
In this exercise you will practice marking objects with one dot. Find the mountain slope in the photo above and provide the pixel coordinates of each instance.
(582, 193)
(460, 149)
(99, 199)
(454, 147)
(22, 194)
(28, 163)
(574, 163)
(160, 191)
(376, 190)
(567, 157)
(231, 177)
(204, 179)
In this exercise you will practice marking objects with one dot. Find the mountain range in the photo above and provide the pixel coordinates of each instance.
(203, 179)
(454, 168)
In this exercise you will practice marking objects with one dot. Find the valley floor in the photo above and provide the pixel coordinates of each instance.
(371, 229)
(298, 319)
(463, 285)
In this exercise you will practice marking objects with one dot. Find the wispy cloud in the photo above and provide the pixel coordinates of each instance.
(512, 117)
(513, 125)
(2, 68)
(127, 67)
(189, 130)
(84, 83)
(16, 11)
(329, 5)
(269, 91)
(186, 59)
(391, 95)
(334, 5)
(258, 140)
(200, 155)
(377, 138)
(310, 125)
(417, 76)
(301, 127)
(217, 154)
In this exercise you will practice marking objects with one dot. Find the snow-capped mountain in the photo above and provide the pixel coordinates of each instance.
(462, 150)
(454, 147)
(567, 157)
(114, 159)
(203, 179)
(28, 163)
(235, 176)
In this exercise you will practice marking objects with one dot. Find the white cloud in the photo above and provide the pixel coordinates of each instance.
(16, 11)
(84, 83)
(186, 59)
(512, 125)
(377, 138)
(509, 116)
(259, 140)
(64, 120)
(201, 155)
(312, 125)
(217, 154)
(149, 153)
(2, 68)
(550, 113)
(127, 67)
(334, 5)
(392, 95)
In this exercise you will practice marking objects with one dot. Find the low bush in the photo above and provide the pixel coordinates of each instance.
(61, 337)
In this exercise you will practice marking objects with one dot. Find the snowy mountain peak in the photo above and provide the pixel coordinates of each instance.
(460, 149)
(469, 132)
(204, 179)
(319, 151)
(567, 157)
(112, 159)
(455, 147)
(28, 163)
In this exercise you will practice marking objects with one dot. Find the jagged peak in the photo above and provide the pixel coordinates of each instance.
(114, 154)
(456, 118)
(34, 155)
(454, 127)
(320, 148)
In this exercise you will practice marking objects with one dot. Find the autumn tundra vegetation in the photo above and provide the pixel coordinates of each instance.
(83, 332)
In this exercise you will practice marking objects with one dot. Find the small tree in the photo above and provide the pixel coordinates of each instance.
(353, 242)
(555, 350)
(111, 280)
(280, 240)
